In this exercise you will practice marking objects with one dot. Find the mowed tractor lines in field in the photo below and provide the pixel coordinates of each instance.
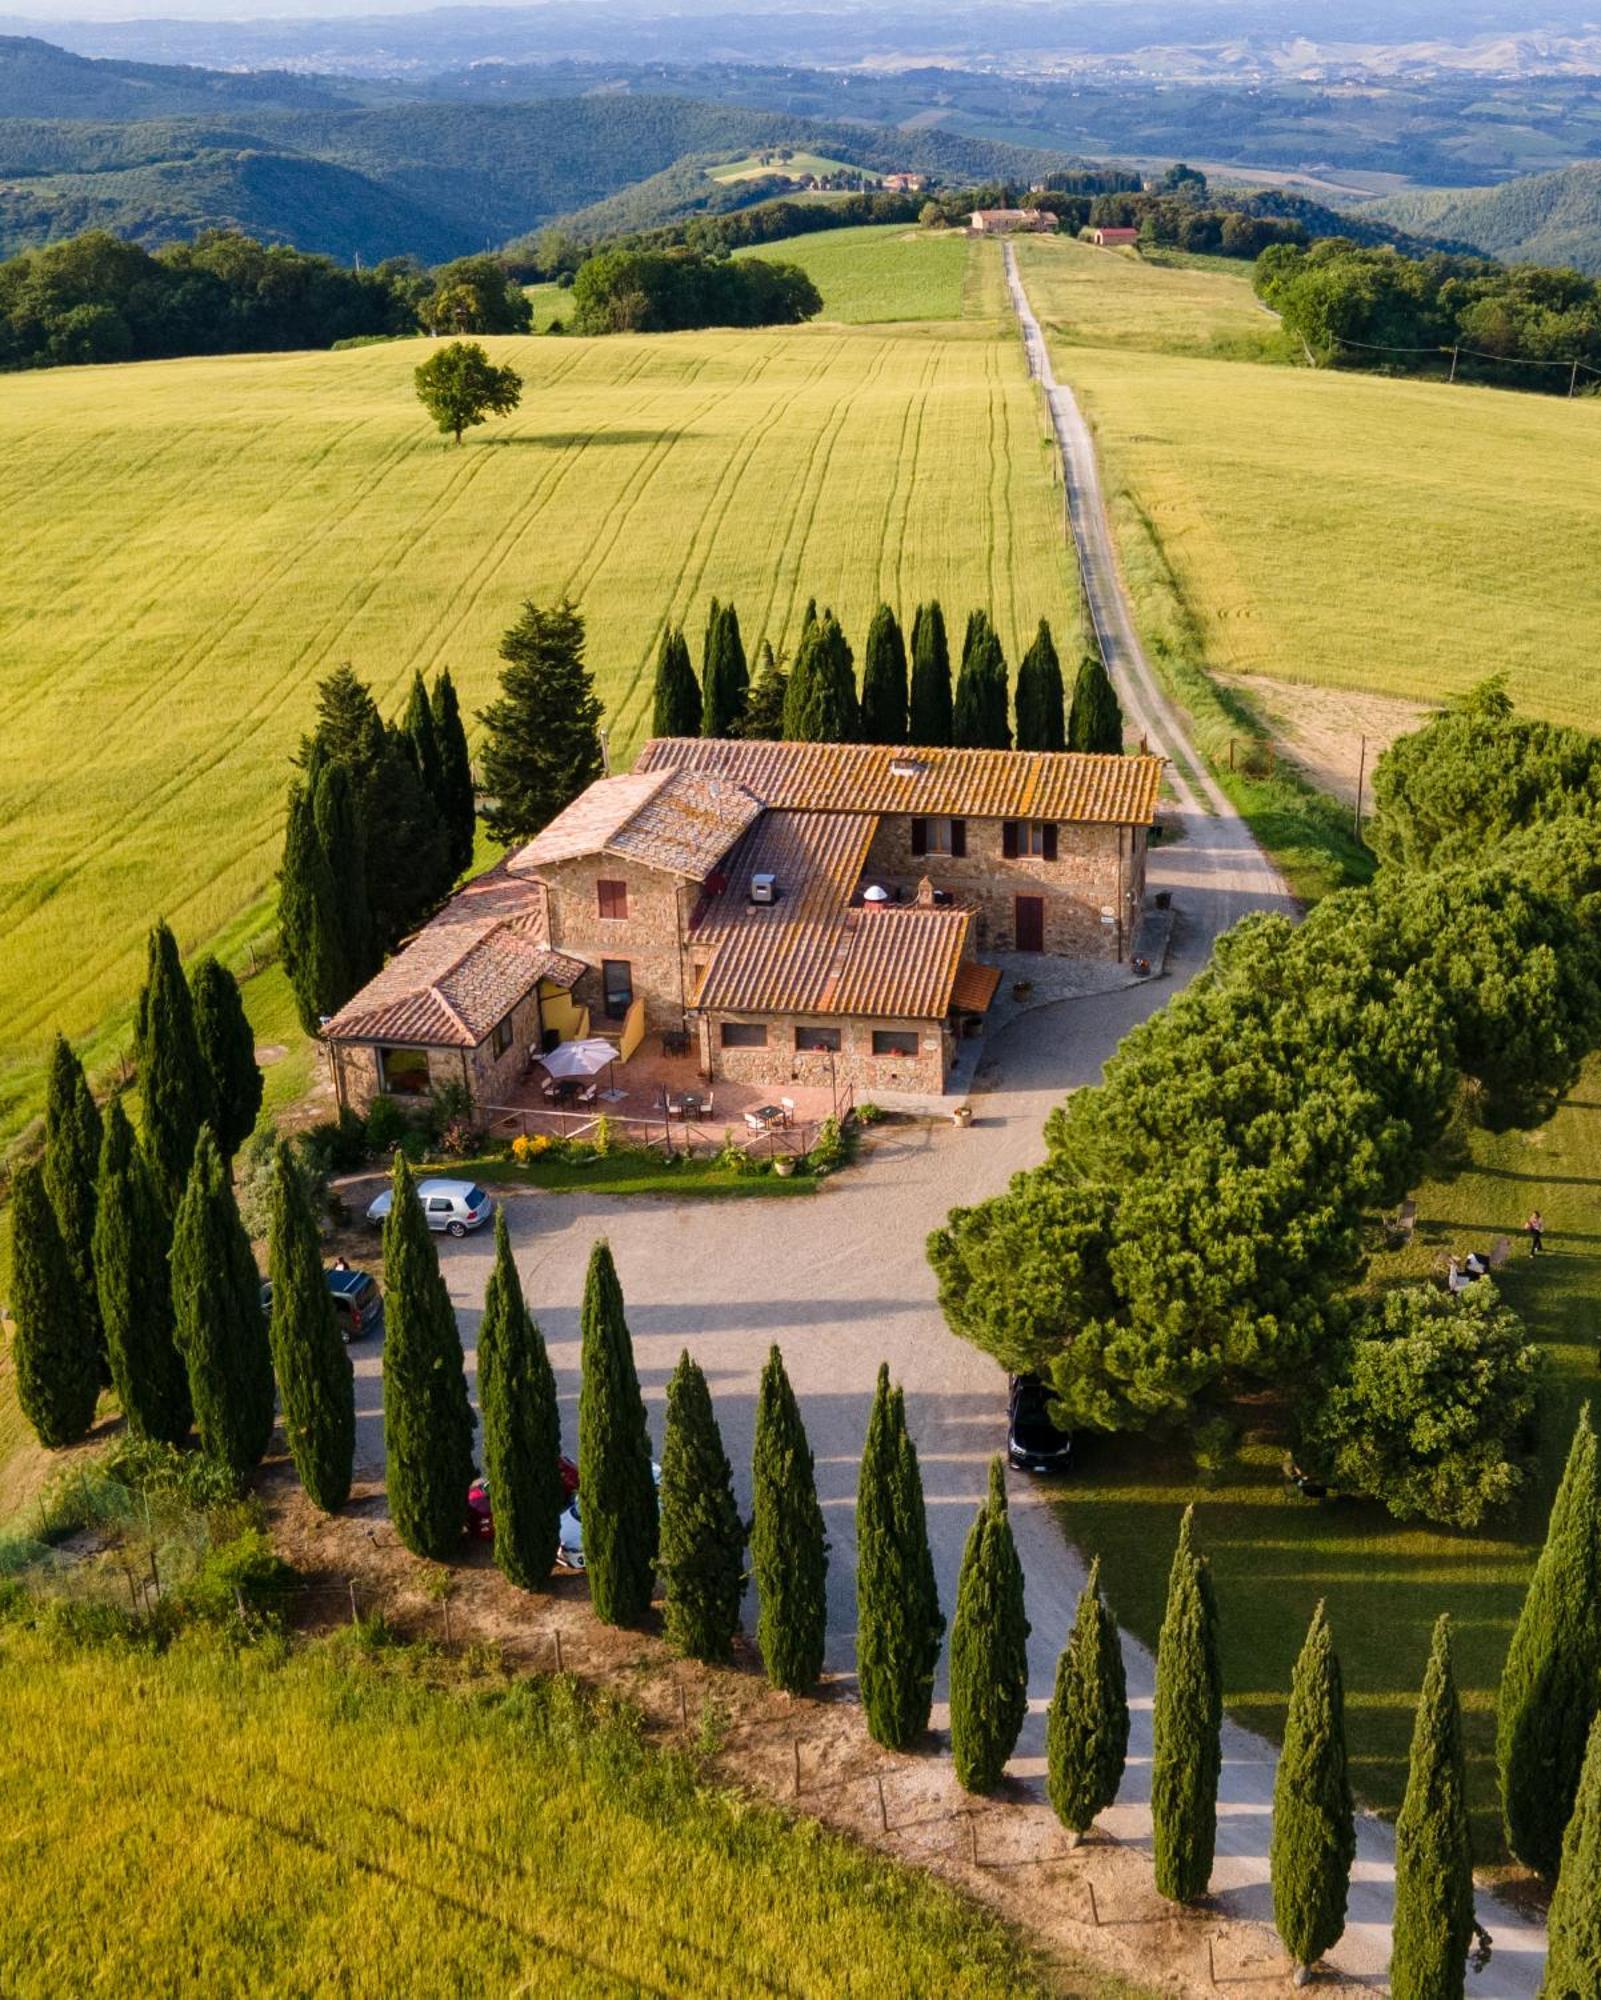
(199, 541)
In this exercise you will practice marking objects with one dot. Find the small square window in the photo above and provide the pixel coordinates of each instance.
(818, 1040)
(744, 1034)
(500, 1037)
(613, 898)
(894, 1041)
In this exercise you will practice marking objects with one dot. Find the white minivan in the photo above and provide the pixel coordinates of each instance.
(454, 1206)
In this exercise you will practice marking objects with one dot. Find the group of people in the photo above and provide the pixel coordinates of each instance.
(1466, 1271)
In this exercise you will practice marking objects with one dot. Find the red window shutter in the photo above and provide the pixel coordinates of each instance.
(958, 838)
(1050, 840)
(613, 898)
(1009, 839)
(919, 836)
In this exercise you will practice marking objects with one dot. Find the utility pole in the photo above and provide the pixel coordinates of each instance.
(1361, 772)
(1455, 351)
(1573, 379)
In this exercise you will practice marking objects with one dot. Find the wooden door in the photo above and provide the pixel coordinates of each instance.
(1031, 923)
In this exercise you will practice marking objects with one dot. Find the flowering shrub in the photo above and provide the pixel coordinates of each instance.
(529, 1145)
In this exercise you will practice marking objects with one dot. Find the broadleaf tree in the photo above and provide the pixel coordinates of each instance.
(459, 386)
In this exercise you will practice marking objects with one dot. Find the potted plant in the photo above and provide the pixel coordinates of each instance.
(1022, 988)
(962, 1114)
(784, 1166)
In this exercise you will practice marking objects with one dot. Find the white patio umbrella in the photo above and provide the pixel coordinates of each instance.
(578, 1059)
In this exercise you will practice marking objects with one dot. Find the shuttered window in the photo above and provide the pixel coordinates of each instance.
(613, 898)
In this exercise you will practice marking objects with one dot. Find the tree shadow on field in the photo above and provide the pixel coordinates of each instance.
(576, 440)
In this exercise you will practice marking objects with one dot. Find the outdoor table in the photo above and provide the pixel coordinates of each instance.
(768, 1115)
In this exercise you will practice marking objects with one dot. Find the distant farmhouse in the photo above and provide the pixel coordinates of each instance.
(1112, 239)
(906, 183)
(1011, 221)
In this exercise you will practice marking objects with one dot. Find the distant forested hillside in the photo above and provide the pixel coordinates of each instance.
(38, 80)
(1543, 219)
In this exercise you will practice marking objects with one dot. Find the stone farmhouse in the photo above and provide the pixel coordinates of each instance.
(789, 912)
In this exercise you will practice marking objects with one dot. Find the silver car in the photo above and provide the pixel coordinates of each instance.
(454, 1206)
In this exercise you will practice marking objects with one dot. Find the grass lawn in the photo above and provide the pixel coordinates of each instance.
(624, 1173)
(1274, 1555)
(753, 167)
(884, 271)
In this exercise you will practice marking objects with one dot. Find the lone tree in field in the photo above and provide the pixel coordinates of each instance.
(899, 1624)
(459, 386)
(702, 1536)
(1433, 1860)
(221, 1330)
(428, 1420)
(619, 1491)
(72, 1138)
(1187, 1725)
(54, 1354)
(725, 678)
(1314, 1829)
(1040, 721)
(763, 720)
(884, 694)
(820, 703)
(228, 1051)
(929, 704)
(1573, 1955)
(979, 719)
(173, 1082)
(1095, 721)
(308, 1352)
(989, 1647)
(788, 1544)
(132, 1236)
(542, 735)
(1086, 1728)
(522, 1427)
(676, 709)
(1551, 1684)
(456, 799)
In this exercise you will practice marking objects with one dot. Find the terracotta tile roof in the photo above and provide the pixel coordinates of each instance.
(680, 821)
(975, 986)
(890, 778)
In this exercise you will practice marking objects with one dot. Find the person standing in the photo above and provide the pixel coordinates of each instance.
(1535, 1227)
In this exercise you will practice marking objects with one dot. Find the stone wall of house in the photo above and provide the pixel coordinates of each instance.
(780, 1063)
(1077, 886)
(357, 1071)
(649, 937)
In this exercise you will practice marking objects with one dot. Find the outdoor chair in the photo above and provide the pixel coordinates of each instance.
(787, 1106)
(589, 1093)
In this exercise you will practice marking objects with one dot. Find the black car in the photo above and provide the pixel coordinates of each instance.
(358, 1303)
(1033, 1442)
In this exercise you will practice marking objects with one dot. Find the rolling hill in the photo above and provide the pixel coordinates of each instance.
(1542, 219)
(39, 80)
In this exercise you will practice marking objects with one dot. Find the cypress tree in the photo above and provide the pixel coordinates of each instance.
(788, 1545)
(930, 717)
(542, 733)
(408, 850)
(1551, 1684)
(1040, 722)
(349, 728)
(428, 1420)
(619, 1491)
(72, 1138)
(820, 703)
(1573, 1955)
(422, 739)
(884, 680)
(1314, 1829)
(1187, 1726)
(1095, 721)
(727, 678)
(979, 718)
(173, 1082)
(899, 1624)
(228, 1050)
(133, 1234)
(457, 802)
(309, 933)
(677, 707)
(1433, 1921)
(702, 1536)
(763, 720)
(314, 1374)
(522, 1426)
(53, 1352)
(336, 815)
(221, 1329)
(1086, 1728)
(989, 1646)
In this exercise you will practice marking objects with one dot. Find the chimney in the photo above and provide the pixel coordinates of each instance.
(925, 894)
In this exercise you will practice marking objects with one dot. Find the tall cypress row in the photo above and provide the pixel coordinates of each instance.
(173, 1083)
(979, 714)
(884, 693)
(522, 1425)
(725, 685)
(820, 704)
(1187, 1725)
(1551, 1684)
(676, 706)
(989, 1646)
(929, 716)
(1573, 1956)
(1041, 724)
(455, 771)
(1314, 1828)
(314, 1374)
(133, 1234)
(1095, 721)
(1433, 1921)
(310, 933)
(53, 1352)
(422, 739)
(1086, 1728)
(342, 878)
(428, 1420)
(702, 1535)
(763, 721)
(228, 1051)
(72, 1139)
(788, 1544)
(221, 1329)
(617, 1489)
(899, 1624)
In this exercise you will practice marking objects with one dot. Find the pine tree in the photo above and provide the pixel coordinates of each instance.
(979, 719)
(1551, 1684)
(1187, 1726)
(899, 1624)
(677, 706)
(457, 800)
(522, 1426)
(989, 1646)
(72, 1138)
(614, 1464)
(220, 1327)
(309, 934)
(428, 1420)
(930, 717)
(1039, 698)
(314, 1374)
(228, 1051)
(1086, 1728)
(820, 703)
(542, 734)
(726, 684)
(788, 1545)
(173, 1083)
(1314, 1829)
(884, 681)
(417, 725)
(336, 816)
(702, 1535)
(53, 1352)
(1095, 722)
(133, 1234)
(763, 720)
(1573, 1955)
(1433, 1921)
